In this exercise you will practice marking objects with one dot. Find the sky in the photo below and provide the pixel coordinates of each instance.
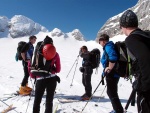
(11, 75)
(86, 15)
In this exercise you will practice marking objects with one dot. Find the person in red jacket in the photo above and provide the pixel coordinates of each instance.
(47, 82)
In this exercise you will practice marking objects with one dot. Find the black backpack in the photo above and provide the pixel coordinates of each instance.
(38, 68)
(95, 58)
(123, 63)
(19, 49)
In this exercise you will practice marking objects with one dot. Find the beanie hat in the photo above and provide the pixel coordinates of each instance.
(48, 40)
(129, 19)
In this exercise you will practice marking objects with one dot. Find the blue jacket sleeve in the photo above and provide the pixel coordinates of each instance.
(111, 53)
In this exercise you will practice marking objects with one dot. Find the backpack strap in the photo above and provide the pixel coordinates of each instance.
(133, 58)
(37, 55)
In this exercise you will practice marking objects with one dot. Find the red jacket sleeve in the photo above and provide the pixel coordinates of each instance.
(56, 63)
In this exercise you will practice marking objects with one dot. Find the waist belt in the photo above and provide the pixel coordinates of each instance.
(43, 71)
(40, 71)
(50, 76)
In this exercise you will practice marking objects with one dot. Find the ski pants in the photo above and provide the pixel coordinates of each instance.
(86, 80)
(48, 84)
(143, 102)
(26, 73)
(112, 91)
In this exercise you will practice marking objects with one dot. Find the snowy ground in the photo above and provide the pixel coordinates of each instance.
(11, 75)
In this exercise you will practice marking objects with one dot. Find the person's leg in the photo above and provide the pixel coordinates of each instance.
(143, 104)
(39, 91)
(112, 92)
(88, 86)
(51, 86)
(26, 73)
(83, 82)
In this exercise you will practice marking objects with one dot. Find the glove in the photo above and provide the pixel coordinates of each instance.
(81, 69)
(57, 79)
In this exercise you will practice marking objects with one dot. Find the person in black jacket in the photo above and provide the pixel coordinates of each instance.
(138, 43)
(87, 71)
(47, 79)
(26, 53)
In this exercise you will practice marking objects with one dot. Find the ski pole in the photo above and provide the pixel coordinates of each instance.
(93, 92)
(130, 98)
(73, 65)
(9, 106)
(74, 73)
(29, 99)
(101, 95)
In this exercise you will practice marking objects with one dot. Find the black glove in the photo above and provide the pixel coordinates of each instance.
(81, 69)
(57, 79)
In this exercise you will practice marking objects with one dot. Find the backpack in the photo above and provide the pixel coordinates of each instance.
(19, 49)
(95, 58)
(123, 63)
(38, 68)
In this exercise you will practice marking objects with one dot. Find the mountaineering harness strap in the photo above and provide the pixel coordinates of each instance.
(41, 78)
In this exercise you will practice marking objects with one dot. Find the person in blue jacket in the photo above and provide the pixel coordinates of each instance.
(26, 53)
(108, 61)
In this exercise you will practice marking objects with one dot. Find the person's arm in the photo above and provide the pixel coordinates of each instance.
(24, 50)
(112, 58)
(57, 64)
(84, 55)
(23, 56)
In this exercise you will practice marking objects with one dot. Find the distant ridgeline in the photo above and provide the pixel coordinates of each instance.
(20, 26)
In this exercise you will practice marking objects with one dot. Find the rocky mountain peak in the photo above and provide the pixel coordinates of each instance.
(111, 27)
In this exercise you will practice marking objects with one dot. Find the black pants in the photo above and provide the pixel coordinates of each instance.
(86, 80)
(112, 91)
(143, 102)
(48, 84)
(26, 73)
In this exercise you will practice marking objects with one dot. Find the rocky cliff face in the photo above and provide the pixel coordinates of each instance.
(111, 27)
(19, 26)
(76, 34)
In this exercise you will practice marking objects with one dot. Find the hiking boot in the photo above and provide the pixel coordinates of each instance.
(23, 91)
(85, 98)
(28, 88)
(83, 95)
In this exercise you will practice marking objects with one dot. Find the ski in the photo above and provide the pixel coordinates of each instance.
(68, 100)
(17, 94)
(75, 99)
(8, 109)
